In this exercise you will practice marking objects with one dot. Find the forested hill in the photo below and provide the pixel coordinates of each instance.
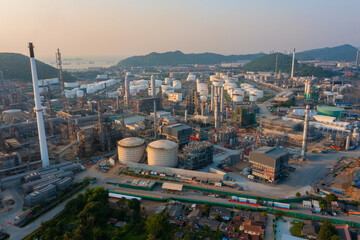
(16, 66)
(267, 64)
(344, 52)
(179, 58)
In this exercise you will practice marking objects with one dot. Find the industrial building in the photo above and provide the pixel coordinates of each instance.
(179, 133)
(284, 96)
(197, 155)
(268, 163)
(38, 196)
(245, 116)
(147, 104)
(330, 111)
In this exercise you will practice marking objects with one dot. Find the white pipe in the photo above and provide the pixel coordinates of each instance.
(39, 111)
(293, 62)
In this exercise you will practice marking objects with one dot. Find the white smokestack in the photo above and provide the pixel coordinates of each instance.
(153, 86)
(39, 111)
(127, 91)
(293, 62)
(306, 126)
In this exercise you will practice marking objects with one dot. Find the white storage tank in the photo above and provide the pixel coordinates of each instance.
(259, 93)
(201, 87)
(158, 83)
(79, 93)
(71, 84)
(213, 78)
(253, 98)
(130, 149)
(238, 97)
(217, 83)
(177, 84)
(191, 77)
(162, 153)
(168, 80)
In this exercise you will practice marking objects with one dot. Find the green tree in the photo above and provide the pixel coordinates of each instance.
(134, 204)
(323, 205)
(218, 218)
(158, 226)
(331, 197)
(298, 195)
(278, 214)
(122, 202)
(206, 209)
(327, 231)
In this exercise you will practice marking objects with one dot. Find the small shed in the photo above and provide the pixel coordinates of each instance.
(172, 187)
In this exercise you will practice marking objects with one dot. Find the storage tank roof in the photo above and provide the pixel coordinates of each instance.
(329, 108)
(163, 144)
(131, 142)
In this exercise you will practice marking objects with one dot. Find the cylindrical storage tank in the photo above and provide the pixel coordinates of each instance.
(253, 98)
(158, 83)
(213, 78)
(162, 153)
(259, 94)
(217, 83)
(191, 77)
(168, 81)
(356, 136)
(177, 84)
(201, 87)
(238, 91)
(238, 97)
(130, 149)
(339, 96)
(79, 93)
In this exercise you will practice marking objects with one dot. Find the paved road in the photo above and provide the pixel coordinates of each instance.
(269, 234)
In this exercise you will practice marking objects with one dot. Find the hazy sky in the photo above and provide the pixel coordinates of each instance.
(134, 27)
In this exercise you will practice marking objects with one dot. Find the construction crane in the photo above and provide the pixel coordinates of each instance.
(202, 102)
(246, 149)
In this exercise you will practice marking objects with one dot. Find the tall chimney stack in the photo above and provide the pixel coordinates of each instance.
(39, 111)
(293, 63)
(357, 58)
(153, 86)
(155, 120)
(127, 91)
(306, 127)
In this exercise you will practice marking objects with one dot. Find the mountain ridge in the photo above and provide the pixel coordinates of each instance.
(345, 52)
(267, 64)
(173, 58)
(16, 66)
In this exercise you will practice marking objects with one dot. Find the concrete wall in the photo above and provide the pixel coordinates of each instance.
(218, 175)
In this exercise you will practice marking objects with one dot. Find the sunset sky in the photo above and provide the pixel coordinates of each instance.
(136, 27)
